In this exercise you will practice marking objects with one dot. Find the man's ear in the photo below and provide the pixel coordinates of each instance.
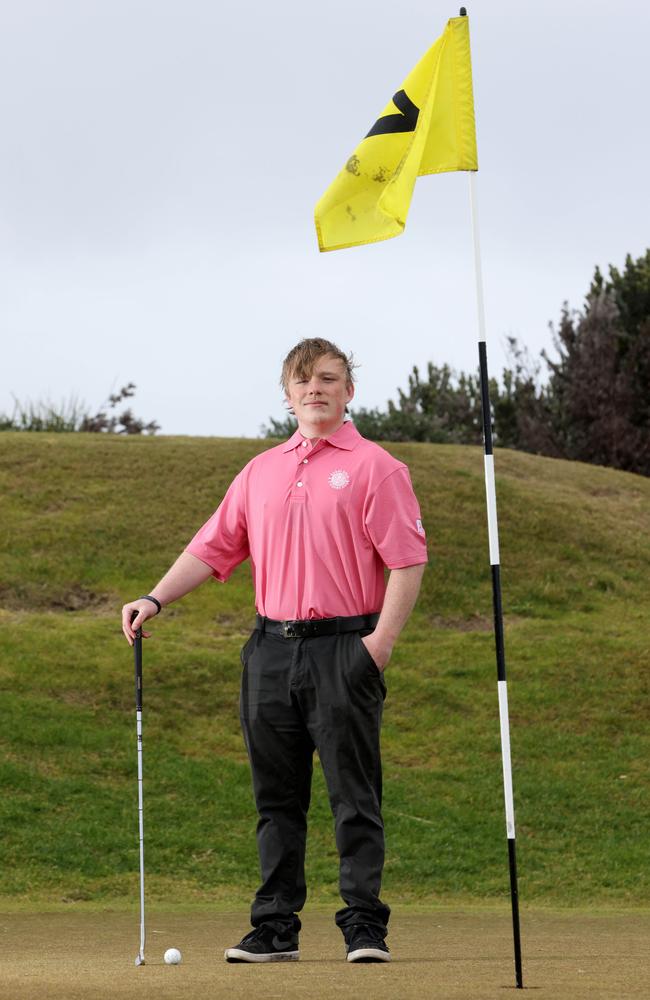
(350, 391)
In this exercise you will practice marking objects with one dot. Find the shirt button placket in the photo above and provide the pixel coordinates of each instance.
(299, 486)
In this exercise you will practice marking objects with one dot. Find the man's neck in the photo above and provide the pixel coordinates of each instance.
(314, 434)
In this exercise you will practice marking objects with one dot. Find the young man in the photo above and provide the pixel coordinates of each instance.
(320, 516)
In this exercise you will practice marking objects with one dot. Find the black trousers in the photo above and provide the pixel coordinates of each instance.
(298, 695)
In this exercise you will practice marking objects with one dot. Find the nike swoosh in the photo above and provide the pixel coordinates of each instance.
(281, 945)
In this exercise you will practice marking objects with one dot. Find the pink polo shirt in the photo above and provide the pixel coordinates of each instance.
(319, 523)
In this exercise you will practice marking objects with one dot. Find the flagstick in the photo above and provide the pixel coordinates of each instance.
(493, 535)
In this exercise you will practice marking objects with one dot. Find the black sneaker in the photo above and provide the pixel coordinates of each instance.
(265, 944)
(365, 943)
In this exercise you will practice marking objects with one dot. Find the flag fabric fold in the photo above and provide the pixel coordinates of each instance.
(427, 128)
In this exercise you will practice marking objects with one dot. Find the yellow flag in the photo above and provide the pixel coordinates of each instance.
(427, 128)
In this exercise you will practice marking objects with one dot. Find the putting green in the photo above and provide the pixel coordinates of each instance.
(451, 955)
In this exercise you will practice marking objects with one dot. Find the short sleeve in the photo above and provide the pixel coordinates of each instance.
(222, 542)
(394, 523)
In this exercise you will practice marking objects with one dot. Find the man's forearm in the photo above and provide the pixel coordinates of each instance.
(401, 594)
(185, 575)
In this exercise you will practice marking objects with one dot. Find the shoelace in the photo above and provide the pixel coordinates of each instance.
(367, 932)
(260, 933)
(255, 935)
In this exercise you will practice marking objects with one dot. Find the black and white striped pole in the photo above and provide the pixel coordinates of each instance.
(137, 657)
(493, 536)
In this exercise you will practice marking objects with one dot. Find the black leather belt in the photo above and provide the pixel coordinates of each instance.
(309, 627)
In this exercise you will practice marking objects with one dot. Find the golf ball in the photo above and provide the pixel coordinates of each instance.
(172, 956)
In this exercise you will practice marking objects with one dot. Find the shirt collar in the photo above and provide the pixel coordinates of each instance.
(347, 437)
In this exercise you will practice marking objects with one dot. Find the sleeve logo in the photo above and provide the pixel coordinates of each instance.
(419, 526)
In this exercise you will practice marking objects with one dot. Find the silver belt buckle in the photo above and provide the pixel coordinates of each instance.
(288, 630)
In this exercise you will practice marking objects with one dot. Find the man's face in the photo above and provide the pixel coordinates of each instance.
(320, 400)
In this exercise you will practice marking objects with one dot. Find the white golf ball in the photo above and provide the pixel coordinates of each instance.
(172, 956)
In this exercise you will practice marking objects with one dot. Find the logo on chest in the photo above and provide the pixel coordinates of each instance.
(339, 479)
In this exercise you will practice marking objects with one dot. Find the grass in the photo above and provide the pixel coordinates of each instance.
(90, 521)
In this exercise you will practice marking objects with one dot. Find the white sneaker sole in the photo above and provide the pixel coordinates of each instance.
(368, 955)
(239, 955)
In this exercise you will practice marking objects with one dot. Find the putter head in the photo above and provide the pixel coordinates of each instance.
(140, 959)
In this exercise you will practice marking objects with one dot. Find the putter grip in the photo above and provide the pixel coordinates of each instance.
(137, 654)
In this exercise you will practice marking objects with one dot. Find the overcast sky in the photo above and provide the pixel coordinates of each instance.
(160, 162)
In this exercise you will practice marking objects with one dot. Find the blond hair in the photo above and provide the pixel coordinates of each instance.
(301, 359)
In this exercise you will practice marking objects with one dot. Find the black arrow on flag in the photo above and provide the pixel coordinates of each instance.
(403, 122)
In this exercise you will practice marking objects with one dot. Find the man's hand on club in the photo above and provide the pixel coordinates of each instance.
(143, 610)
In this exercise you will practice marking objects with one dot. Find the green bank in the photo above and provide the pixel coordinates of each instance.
(90, 521)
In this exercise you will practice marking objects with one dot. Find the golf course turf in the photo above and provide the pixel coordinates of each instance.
(442, 955)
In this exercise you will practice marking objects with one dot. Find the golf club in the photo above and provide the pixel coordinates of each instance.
(137, 652)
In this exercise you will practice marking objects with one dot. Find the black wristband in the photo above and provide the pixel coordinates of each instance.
(148, 597)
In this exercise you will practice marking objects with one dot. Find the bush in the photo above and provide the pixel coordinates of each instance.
(74, 416)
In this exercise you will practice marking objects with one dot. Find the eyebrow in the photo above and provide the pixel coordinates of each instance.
(304, 374)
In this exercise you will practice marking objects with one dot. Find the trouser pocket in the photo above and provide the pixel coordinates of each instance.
(371, 668)
(248, 647)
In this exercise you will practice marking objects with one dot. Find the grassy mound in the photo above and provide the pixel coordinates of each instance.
(89, 522)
